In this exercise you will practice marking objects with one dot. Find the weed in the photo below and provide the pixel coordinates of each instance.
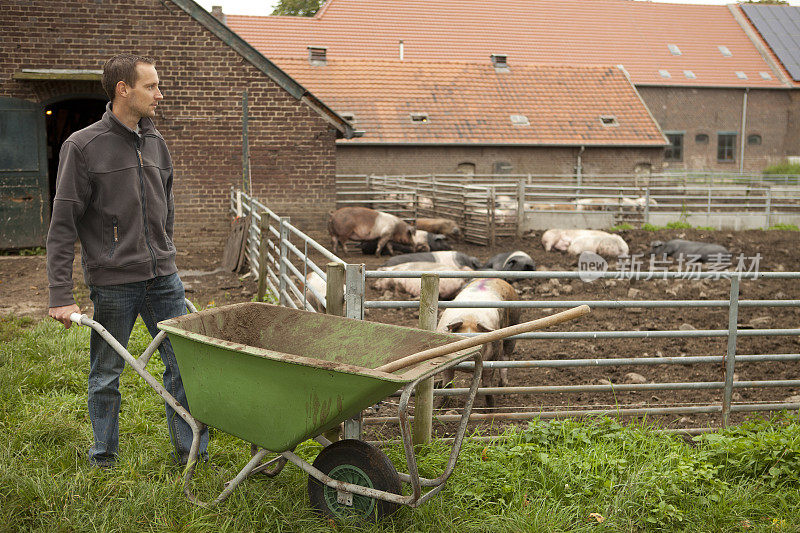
(621, 227)
(678, 224)
(651, 227)
(784, 227)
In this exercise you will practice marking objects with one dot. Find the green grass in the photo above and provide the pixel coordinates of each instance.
(621, 227)
(784, 227)
(556, 476)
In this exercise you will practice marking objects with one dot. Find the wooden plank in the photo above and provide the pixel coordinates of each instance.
(233, 246)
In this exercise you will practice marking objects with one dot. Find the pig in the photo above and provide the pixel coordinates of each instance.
(445, 226)
(362, 224)
(550, 207)
(595, 204)
(510, 261)
(609, 245)
(703, 251)
(424, 241)
(315, 283)
(561, 238)
(450, 258)
(482, 320)
(448, 287)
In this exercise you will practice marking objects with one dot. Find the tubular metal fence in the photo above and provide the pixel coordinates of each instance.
(488, 207)
(287, 262)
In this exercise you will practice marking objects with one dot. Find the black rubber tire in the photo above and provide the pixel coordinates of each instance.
(360, 463)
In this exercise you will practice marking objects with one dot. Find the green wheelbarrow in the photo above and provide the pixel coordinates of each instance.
(276, 377)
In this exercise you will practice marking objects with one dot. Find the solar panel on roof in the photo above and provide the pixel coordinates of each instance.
(780, 27)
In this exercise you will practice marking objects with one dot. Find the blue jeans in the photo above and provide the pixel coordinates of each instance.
(116, 308)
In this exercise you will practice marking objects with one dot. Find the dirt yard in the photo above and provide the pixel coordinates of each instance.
(23, 291)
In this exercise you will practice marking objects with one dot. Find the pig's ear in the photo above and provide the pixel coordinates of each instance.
(455, 325)
(484, 328)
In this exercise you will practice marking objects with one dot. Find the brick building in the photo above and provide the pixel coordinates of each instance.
(480, 118)
(723, 99)
(53, 53)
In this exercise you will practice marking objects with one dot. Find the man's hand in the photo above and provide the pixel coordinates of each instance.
(62, 313)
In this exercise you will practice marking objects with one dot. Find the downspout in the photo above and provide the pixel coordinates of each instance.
(744, 125)
(579, 169)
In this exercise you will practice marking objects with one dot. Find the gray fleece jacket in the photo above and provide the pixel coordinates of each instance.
(114, 194)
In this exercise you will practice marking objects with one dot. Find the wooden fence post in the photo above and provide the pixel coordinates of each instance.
(334, 305)
(423, 396)
(520, 208)
(263, 226)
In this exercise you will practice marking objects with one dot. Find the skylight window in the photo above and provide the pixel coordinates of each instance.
(419, 118)
(664, 73)
(765, 75)
(500, 61)
(741, 75)
(609, 120)
(673, 48)
(689, 74)
(724, 51)
(520, 120)
(318, 55)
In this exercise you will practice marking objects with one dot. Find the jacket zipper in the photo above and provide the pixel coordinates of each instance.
(144, 208)
(115, 234)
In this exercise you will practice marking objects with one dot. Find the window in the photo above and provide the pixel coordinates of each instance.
(318, 55)
(502, 167)
(664, 73)
(741, 75)
(674, 50)
(500, 61)
(674, 152)
(724, 51)
(608, 120)
(726, 146)
(754, 139)
(419, 118)
(689, 74)
(466, 168)
(701, 138)
(520, 120)
(765, 75)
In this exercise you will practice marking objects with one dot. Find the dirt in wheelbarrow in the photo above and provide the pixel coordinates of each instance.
(23, 291)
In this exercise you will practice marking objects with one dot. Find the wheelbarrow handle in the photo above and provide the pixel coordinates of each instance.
(485, 338)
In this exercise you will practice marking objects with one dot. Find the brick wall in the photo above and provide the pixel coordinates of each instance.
(354, 159)
(710, 111)
(292, 147)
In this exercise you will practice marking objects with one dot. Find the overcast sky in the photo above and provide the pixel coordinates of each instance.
(265, 7)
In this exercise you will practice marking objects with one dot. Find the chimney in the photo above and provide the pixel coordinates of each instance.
(500, 61)
(318, 55)
(216, 12)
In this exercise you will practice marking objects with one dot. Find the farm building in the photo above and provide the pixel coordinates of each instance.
(49, 87)
(723, 99)
(541, 118)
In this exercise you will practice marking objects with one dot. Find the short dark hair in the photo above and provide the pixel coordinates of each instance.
(121, 67)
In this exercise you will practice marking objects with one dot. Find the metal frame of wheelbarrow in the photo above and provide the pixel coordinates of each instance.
(274, 466)
(344, 489)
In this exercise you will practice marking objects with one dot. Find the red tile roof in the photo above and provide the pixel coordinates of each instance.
(594, 32)
(469, 103)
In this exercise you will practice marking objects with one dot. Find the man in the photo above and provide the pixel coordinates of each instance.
(114, 194)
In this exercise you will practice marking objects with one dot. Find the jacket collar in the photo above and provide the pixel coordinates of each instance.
(145, 124)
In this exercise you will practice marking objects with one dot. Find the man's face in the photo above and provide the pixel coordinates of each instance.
(144, 94)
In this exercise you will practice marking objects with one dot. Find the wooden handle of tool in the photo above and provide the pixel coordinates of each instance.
(484, 338)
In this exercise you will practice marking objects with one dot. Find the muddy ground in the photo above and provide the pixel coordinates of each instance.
(23, 291)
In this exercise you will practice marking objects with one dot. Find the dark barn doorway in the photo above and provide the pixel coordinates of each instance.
(62, 119)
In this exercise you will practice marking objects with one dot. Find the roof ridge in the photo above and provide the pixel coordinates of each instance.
(350, 60)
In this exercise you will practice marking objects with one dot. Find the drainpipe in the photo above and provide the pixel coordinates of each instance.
(744, 125)
(579, 169)
(401, 50)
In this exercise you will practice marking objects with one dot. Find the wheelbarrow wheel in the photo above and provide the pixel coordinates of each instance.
(356, 462)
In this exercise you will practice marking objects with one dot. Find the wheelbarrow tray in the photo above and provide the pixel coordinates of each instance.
(275, 376)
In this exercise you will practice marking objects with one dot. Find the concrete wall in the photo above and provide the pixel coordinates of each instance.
(396, 159)
(202, 78)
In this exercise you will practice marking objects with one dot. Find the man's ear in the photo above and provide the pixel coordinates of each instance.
(121, 89)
